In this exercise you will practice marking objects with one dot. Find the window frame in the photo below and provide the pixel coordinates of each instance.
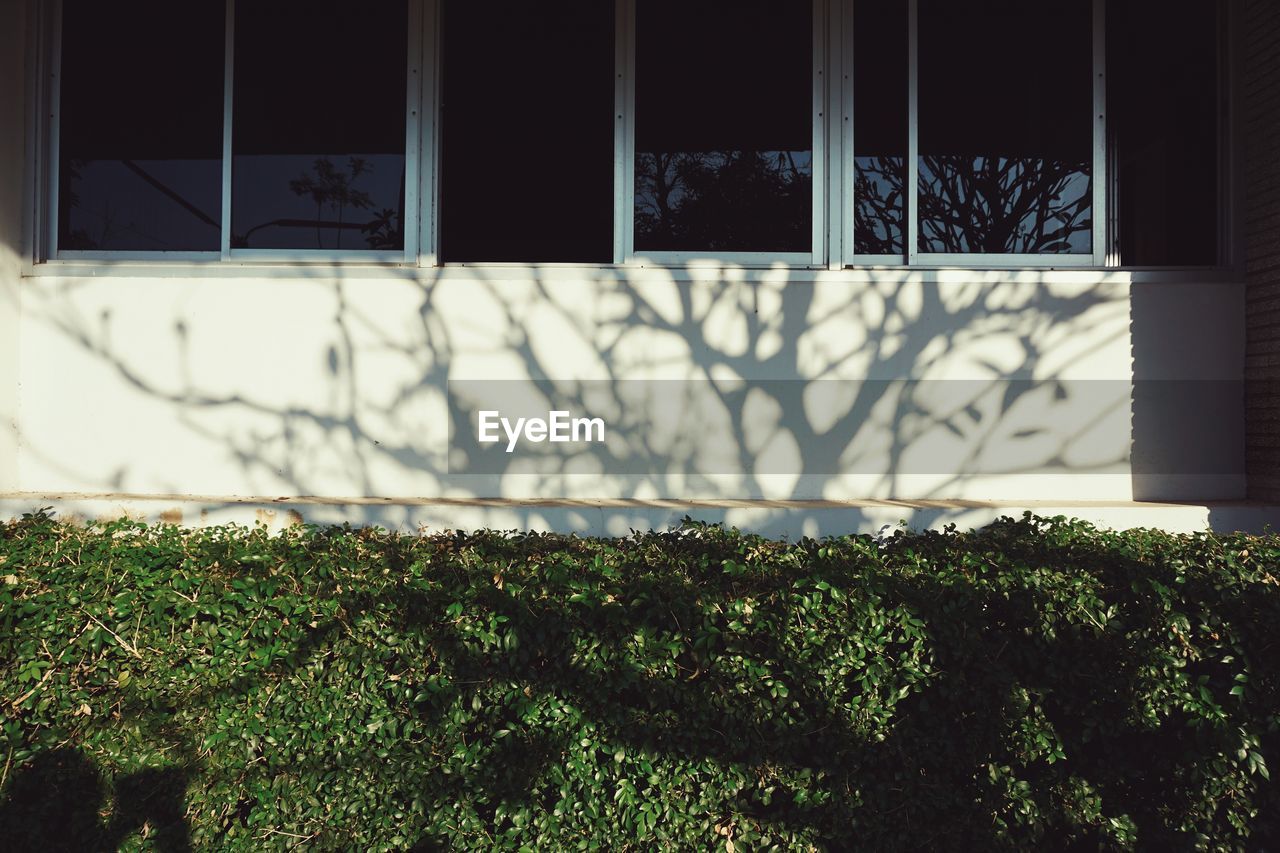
(413, 164)
(912, 256)
(833, 180)
(624, 251)
(54, 173)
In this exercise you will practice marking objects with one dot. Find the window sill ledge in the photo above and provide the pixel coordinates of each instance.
(698, 270)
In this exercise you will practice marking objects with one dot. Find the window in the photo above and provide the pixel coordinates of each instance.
(881, 124)
(724, 150)
(1005, 94)
(834, 133)
(526, 122)
(318, 125)
(305, 152)
(140, 141)
(973, 132)
(1163, 97)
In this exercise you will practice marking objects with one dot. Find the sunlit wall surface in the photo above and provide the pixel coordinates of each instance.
(467, 185)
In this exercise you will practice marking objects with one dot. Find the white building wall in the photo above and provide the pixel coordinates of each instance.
(331, 382)
(265, 381)
(13, 33)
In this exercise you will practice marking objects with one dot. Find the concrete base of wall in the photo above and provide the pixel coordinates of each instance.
(790, 519)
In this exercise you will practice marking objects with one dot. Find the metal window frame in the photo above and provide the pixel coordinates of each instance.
(842, 179)
(228, 92)
(625, 253)
(51, 207)
(54, 111)
(912, 256)
(849, 256)
(427, 145)
(834, 179)
(624, 139)
(48, 212)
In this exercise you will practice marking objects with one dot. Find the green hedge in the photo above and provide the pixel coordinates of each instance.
(1037, 683)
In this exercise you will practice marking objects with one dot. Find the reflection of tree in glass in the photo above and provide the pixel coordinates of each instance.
(878, 206)
(383, 231)
(723, 200)
(996, 205)
(1004, 204)
(331, 187)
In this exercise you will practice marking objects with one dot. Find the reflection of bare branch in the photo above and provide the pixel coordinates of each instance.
(878, 208)
(1003, 205)
(991, 205)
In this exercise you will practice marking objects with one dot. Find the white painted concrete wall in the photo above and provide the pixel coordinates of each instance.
(330, 381)
(13, 31)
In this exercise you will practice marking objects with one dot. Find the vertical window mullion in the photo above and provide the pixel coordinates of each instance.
(428, 147)
(622, 172)
(54, 165)
(625, 215)
(1110, 213)
(1101, 210)
(821, 244)
(913, 135)
(227, 87)
(842, 217)
(412, 134)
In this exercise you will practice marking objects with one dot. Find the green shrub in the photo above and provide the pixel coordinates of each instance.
(1037, 683)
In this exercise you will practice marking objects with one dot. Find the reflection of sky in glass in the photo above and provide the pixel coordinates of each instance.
(880, 122)
(1004, 205)
(878, 213)
(116, 205)
(284, 201)
(318, 136)
(1004, 129)
(723, 200)
(723, 126)
(140, 126)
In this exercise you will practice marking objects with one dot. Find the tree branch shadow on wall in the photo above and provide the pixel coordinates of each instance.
(893, 387)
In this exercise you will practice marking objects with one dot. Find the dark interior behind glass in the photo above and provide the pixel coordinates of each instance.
(724, 127)
(1006, 140)
(880, 125)
(526, 121)
(140, 126)
(318, 136)
(1162, 113)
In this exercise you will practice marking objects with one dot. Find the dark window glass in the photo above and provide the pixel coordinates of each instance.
(526, 162)
(724, 129)
(1006, 145)
(318, 125)
(140, 126)
(880, 123)
(1162, 114)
